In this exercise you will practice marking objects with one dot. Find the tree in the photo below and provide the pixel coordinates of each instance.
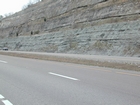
(31, 2)
(8, 14)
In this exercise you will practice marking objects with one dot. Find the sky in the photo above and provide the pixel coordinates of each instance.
(11, 6)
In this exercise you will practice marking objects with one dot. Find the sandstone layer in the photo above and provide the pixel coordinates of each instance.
(106, 27)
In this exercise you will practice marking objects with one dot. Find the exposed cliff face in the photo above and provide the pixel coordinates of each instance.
(110, 27)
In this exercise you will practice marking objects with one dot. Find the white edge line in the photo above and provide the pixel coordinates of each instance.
(63, 76)
(6, 102)
(3, 61)
(1, 97)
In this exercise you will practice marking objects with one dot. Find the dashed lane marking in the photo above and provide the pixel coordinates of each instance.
(59, 75)
(3, 61)
(1, 97)
(6, 102)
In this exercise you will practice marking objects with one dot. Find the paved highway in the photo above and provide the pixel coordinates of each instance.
(35, 82)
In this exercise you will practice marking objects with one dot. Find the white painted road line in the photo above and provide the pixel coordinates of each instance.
(3, 61)
(63, 76)
(1, 97)
(6, 102)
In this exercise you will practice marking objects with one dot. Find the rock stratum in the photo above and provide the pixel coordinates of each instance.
(105, 27)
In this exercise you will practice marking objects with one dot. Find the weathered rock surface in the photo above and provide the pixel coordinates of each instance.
(107, 27)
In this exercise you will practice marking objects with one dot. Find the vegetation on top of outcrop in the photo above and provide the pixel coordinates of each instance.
(106, 27)
(30, 3)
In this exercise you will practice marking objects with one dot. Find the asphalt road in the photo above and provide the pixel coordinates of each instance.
(35, 82)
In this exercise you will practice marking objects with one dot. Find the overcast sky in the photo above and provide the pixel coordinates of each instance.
(11, 6)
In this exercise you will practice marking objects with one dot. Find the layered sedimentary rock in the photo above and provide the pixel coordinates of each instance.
(109, 27)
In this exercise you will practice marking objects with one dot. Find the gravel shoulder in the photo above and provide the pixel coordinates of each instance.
(126, 63)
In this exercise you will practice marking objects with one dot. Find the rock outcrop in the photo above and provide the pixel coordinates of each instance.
(107, 27)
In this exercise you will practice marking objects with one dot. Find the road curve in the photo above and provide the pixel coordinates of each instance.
(37, 82)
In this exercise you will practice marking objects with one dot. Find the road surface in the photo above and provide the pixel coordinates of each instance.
(36, 82)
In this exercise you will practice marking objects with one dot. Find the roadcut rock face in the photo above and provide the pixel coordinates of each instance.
(106, 27)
